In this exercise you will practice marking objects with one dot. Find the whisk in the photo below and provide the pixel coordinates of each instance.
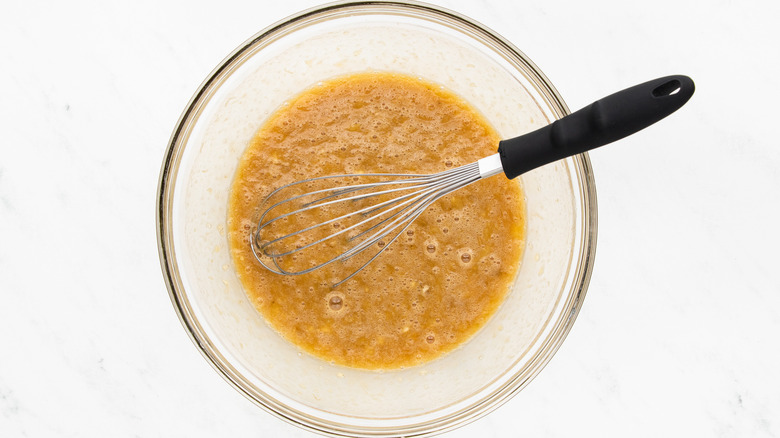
(383, 206)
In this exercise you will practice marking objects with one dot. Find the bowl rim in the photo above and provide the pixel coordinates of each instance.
(172, 278)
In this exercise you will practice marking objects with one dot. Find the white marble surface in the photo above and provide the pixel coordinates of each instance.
(679, 332)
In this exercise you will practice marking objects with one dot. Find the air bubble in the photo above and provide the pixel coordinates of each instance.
(335, 302)
(430, 339)
(431, 248)
(465, 255)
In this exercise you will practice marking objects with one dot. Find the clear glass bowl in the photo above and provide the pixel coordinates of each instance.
(279, 62)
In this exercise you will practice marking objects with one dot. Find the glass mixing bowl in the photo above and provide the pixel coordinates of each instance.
(281, 61)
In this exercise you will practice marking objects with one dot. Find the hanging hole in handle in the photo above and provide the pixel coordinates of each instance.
(667, 89)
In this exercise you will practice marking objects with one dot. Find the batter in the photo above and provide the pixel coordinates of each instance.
(441, 280)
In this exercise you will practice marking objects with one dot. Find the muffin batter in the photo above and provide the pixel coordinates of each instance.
(445, 275)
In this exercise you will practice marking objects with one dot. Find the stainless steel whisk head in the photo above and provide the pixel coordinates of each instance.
(350, 219)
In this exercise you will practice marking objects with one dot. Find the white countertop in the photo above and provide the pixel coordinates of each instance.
(678, 335)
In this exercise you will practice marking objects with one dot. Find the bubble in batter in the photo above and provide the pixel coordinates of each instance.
(335, 302)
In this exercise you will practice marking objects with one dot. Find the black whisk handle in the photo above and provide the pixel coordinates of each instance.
(602, 122)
